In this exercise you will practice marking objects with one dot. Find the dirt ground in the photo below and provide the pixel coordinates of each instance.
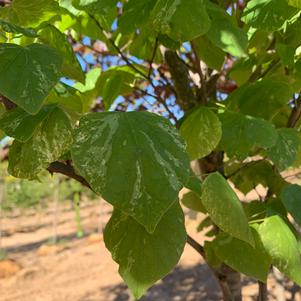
(82, 269)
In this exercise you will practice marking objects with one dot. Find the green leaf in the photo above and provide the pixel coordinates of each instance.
(12, 28)
(27, 74)
(53, 37)
(29, 13)
(91, 80)
(181, 20)
(291, 199)
(144, 258)
(66, 96)
(143, 46)
(261, 99)
(255, 210)
(193, 201)
(242, 70)
(205, 223)
(20, 125)
(224, 33)
(116, 81)
(194, 184)
(211, 258)
(250, 174)
(189, 21)
(68, 5)
(50, 141)
(269, 15)
(253, 262)
(286, 54)
(80, 22)
(275, 206)
(95, 6)
(295, 3)
(212, 55)
(105, 12)
(202, 132)
(241, 133)
(285, 151)
(282, 246)
(140, 147)
(89, 91)
(224, 208)
(135, 14)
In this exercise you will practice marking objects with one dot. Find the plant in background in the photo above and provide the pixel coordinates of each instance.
(221, 83)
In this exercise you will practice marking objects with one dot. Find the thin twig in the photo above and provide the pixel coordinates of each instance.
(166, 82)
(9, 105)
(112, 42)
(218, 273)
(159, 100)
(128, 62)
(244, 166)
(152, 60)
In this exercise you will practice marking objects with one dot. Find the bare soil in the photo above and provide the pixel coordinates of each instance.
(81, 269)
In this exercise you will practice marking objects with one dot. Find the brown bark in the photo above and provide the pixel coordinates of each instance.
(262, 291)
(186, 99)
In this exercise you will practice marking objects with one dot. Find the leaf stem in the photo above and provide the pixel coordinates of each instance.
(112, 42)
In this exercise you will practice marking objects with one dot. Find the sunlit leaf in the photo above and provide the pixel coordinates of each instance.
(33, 71)
(50, 141)
(224, 208)
(202, 132)
(282, 246)
(139, 154)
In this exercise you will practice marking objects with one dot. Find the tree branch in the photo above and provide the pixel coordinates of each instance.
(67, 170)
(196, 246)
(160, 100)
(112, 42)
(4, 2)
(186, 98)
(200, 72)
(254, 162)
(9, 105)
(220, 273)
(295, 114)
